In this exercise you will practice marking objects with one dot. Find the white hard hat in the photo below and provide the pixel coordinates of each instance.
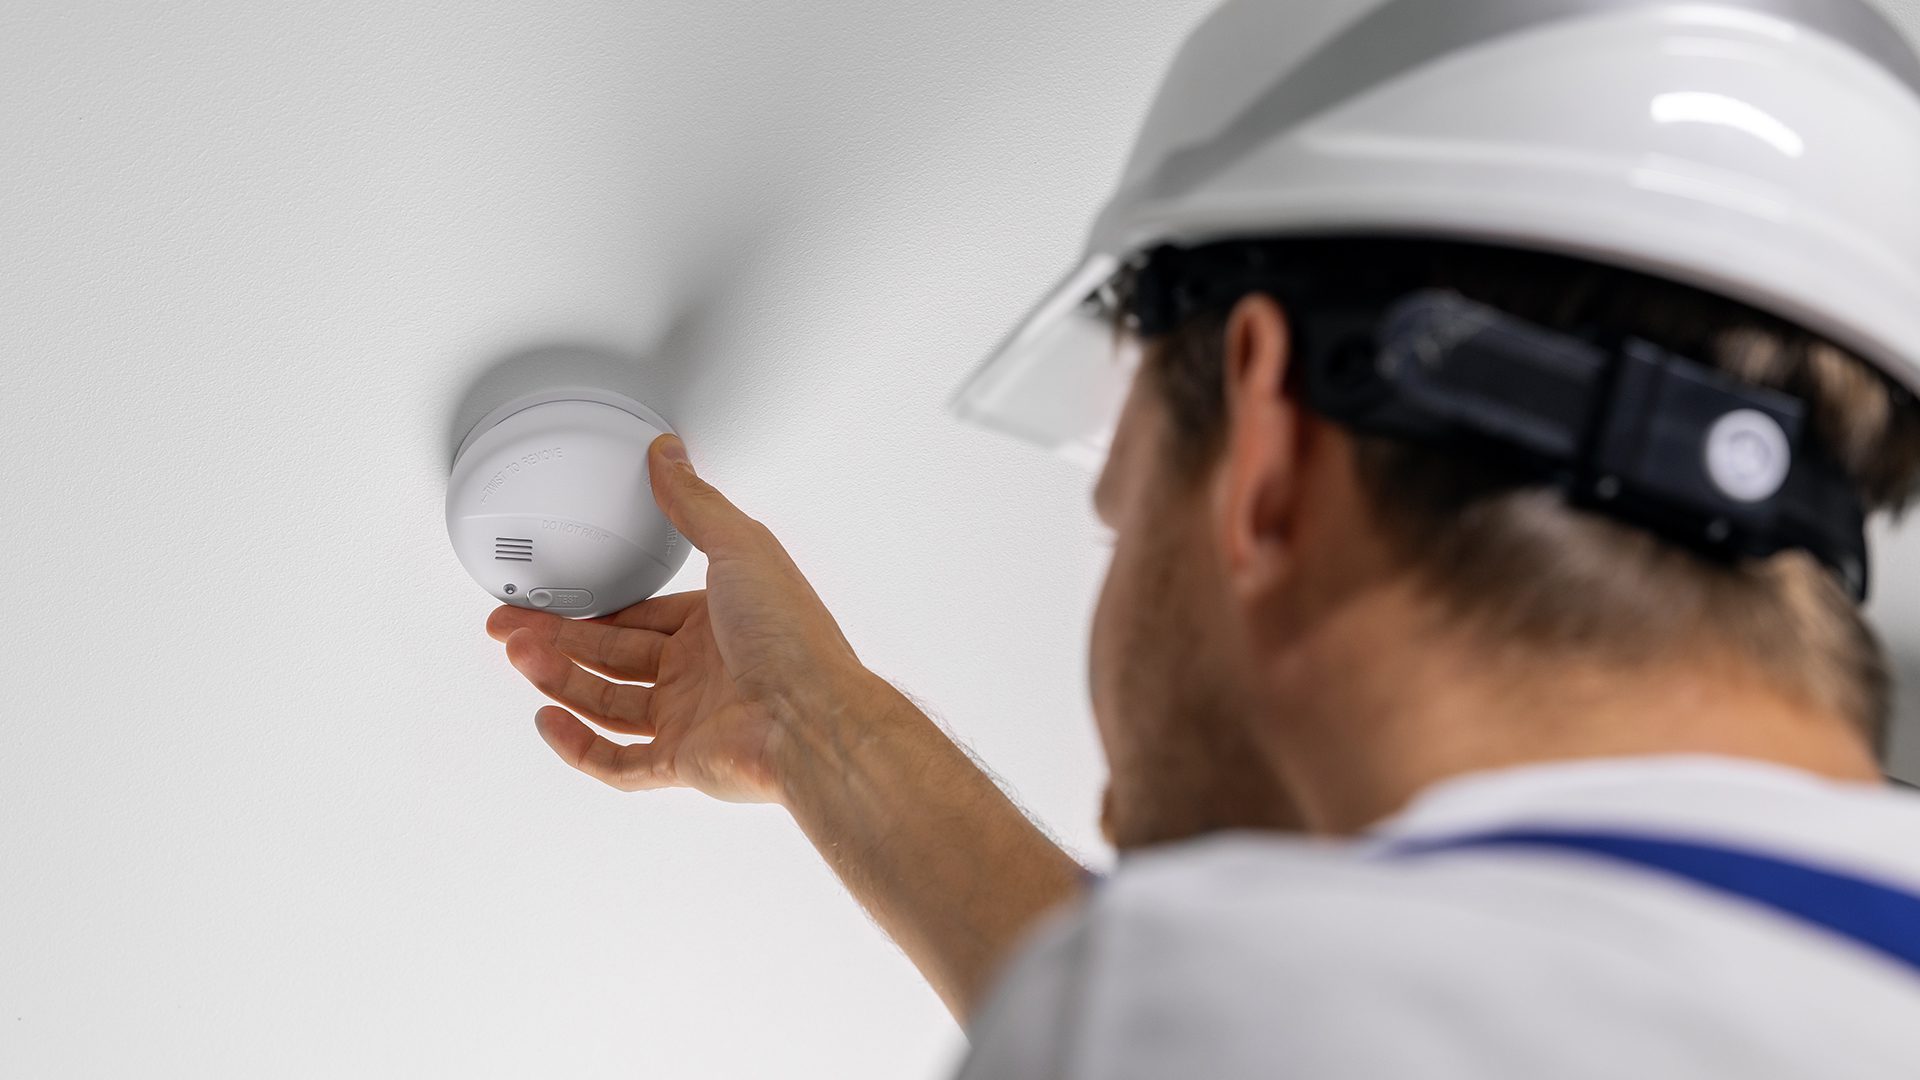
(1765, 150)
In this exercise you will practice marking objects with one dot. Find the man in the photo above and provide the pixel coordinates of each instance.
(1480, 662)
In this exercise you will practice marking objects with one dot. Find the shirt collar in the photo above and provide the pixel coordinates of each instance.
(1502, 796)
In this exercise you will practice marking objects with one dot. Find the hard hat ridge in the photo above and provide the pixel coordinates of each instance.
(1400, 35)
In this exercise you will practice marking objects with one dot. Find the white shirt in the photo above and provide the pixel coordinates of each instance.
(1256, 955)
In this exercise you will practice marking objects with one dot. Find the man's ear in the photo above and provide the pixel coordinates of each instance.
(1257, 484)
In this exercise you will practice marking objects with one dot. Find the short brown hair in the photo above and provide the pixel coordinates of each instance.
(1511, 559)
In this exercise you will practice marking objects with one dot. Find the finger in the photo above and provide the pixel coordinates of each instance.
(617, 651)
(665, 614)
(614, 706)
(696, 508)
(635, 767)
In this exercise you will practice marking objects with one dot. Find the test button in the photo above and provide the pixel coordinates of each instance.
(560, 598)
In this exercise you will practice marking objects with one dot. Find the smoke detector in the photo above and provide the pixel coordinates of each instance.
(548, 504)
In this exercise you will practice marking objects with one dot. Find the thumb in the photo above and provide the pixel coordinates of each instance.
(695, 507)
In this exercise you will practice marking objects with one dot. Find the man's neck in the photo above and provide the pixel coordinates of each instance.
(1406, 714)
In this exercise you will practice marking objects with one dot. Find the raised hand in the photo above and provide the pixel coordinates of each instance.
(733, 666)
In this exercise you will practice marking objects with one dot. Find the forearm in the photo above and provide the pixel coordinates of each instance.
(923, 839)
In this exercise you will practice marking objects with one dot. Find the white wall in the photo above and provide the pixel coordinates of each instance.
(271, 802)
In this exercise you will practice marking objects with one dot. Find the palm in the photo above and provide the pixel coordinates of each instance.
(711, 738)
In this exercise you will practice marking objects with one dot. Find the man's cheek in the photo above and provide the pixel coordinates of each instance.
(1106, 814)
(1099, 657)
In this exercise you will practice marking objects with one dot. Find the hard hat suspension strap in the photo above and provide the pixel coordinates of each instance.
(1620, 426)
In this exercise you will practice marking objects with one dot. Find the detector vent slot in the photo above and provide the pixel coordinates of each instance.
(512, 549)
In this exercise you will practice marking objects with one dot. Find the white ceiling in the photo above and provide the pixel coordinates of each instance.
(271, 802)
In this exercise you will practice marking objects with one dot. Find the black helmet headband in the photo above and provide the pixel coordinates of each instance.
(1621, 427)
